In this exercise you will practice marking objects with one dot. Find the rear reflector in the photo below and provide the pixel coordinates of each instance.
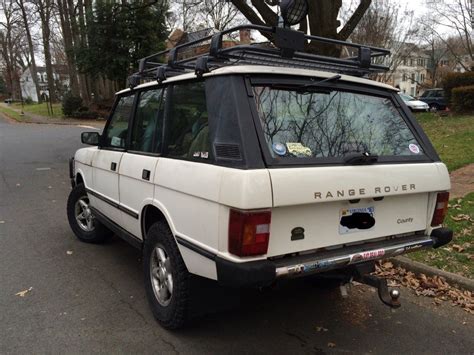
(441, 209)
(249, 232)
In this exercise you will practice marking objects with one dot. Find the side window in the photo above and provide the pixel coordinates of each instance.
(116, 134)
(188, 134)
(148, 123)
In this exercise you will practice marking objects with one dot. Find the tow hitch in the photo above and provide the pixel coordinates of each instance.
(388, 297)
(361, 273)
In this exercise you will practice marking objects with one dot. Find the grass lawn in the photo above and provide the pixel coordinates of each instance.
(458, 256)
(452, 137)
(11, 113)
(41, 109)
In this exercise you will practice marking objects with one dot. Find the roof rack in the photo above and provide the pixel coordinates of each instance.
(288, 51)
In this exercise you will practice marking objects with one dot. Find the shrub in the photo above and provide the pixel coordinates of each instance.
(454, 80)
(463, 99)
(85, 114)
(28, 100)
(71, 104)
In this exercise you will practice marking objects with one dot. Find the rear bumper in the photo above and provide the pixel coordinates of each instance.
(265, 272)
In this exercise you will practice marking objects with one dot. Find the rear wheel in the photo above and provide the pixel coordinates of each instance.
(166, 277)
(83, 223)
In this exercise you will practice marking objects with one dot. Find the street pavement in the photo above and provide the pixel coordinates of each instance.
(90, 298)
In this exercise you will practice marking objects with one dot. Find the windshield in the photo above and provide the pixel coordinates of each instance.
(331, 124)
(406, 97)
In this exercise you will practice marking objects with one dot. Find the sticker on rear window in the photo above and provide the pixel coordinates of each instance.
(299, 150)
(279, 149)
(414, 149)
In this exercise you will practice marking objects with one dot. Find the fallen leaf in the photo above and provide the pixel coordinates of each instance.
(458, 248)
(331, 345)
(69, 252)
(2, 222)
(321, 329)
(24, 292)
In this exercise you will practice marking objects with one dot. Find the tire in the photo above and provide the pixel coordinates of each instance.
(170, 307)
(87, 229)
(434, 107)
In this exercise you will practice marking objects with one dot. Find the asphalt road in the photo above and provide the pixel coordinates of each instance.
(93, 300)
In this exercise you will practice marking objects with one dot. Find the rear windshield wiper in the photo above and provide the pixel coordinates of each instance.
(359, 158)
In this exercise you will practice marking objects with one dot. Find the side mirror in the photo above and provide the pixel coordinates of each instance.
(90, 138)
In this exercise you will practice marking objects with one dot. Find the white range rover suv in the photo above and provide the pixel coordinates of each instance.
(254, 163)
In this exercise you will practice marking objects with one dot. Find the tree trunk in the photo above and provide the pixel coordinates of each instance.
(77, 42)
(323, 22)
(44, 8)
(68, 45)
(33, 70)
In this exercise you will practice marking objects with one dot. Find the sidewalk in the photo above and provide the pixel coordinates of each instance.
(38, 119)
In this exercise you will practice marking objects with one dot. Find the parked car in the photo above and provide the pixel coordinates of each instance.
(248, 165)
(435, 98)
(413, 104)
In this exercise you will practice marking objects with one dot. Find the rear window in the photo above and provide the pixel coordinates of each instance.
(331, 124)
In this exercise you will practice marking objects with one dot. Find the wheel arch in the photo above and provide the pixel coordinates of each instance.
(79, 179)
(150, 215)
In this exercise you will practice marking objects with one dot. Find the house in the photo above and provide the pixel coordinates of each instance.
(27, 84)
(411, 74)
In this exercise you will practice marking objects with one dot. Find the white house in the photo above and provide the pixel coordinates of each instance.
(411, 74)
(27, 84)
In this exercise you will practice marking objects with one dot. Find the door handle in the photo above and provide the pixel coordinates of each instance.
(113, 166)
(146, 175)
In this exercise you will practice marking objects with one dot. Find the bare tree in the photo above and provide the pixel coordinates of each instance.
(322, 19)
(11, 35)
(27, 23)
(437, 51)
(45, 8)
(387, 25)
(63, 13)
(194, 15)
(454, 16)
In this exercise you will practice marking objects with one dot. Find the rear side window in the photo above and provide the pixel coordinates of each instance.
(147, 130)
(116, 134)
(188, 132)
(331, 124)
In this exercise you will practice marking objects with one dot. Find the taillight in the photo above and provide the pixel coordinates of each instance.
(441, 209)
(249, 232)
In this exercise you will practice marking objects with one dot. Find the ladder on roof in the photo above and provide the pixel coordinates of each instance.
(288, 51)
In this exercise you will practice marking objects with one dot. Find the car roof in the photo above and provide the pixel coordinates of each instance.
(268, 70)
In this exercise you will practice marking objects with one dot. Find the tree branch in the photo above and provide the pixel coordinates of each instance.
(354, 20)
(267, 14)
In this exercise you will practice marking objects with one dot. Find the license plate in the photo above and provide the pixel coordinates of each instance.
(353, 220)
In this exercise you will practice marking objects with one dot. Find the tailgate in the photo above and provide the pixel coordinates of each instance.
(320, 207)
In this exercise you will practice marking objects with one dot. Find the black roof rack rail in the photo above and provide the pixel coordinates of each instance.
(288, 51)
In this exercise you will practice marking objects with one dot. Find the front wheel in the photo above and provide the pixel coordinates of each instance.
(434, 108)
(166, 277)
(83, 223)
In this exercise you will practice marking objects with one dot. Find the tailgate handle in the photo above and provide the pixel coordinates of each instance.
(113, 166)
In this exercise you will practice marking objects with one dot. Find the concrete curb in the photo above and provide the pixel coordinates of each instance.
(419, 268)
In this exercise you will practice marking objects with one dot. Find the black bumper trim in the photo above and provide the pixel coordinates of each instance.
(251, 274)
(441, 236)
